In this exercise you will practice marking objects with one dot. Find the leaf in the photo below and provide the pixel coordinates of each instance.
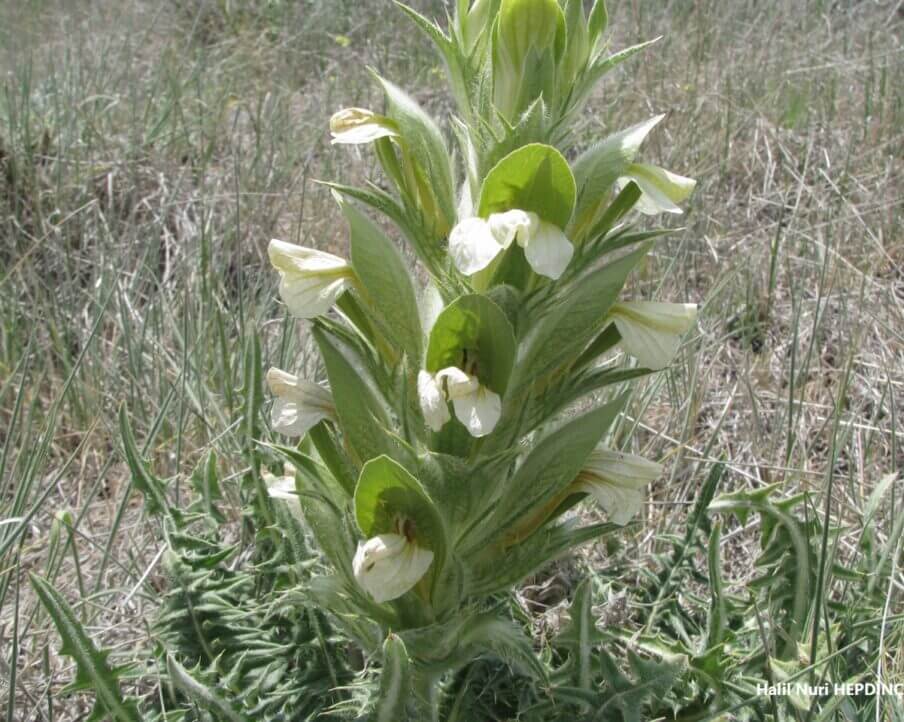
(458, 488)
(205, 482)
(476, 325)
(718, 613)
(252, 392)
(533, 178)
(395, 682)
(568, 327)
(499, 569)
(386, 281)
(652, 681)
(423, 137)
(597, 169)
(150, 486)
(363, 414)
(551, 466)
(507, 642)
(386, 491)
(92, 669)
(201, 694)
(322, 503)
(584, 632)
(598, 21)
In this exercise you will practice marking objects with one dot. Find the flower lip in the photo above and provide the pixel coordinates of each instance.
(616, 480)
(476, 406)
(651, 331)
(356, 126)
(300, 404)
(388, 565)
(311, 281)
(474, 243)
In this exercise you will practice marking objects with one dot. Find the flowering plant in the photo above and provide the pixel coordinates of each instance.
(468, 407)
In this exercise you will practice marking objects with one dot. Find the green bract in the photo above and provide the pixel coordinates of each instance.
(437, 466)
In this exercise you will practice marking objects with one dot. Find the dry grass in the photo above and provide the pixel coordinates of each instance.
(149, 150)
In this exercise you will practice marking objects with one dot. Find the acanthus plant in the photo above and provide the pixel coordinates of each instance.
(465, 416)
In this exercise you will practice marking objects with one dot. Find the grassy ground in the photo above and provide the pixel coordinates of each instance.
(148, 151)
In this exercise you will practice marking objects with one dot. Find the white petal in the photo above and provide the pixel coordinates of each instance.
(357, 125)
(616, 480)
(456, 382)
(293, 419)
(472, 246)
(662, 190)
(479, 411)
(283, 488)
(651, 331)
(548, 251)
(388, 565)
(513, 226)
(292, 259)
(310, 281)
(432, 400)
(300, 404)
(623, 469)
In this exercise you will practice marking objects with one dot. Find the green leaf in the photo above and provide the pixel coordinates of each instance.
(567, 328)
(477, 326)
(652, 681)
(385, 493)
(718, 613)
(598, 22)
(323, 502)
(579, 43)
(201, 694)
(507, 642)
(597, 169)
(150, 486)
(363, 413)
(528, 42)
(395, 682)
(92, 669)
(533, 178)
(205, 482)
(386, 281)
(422, 136)
(583, 628)
(551, 467)
(500, 568)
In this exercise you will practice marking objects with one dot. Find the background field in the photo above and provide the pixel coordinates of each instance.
(149, 150)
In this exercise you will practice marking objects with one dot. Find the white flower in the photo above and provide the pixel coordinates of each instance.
(475, 406)
(661, 190)
(388, 565)
(357, 125)
(474, 242)
(651, 331)
(616, 480)
(300, 405)
(283, 488)
(311, 280)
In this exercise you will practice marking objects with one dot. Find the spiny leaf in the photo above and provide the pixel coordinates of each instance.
(652, 681)
(149, 485)
(202, 694)
(93, 670)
